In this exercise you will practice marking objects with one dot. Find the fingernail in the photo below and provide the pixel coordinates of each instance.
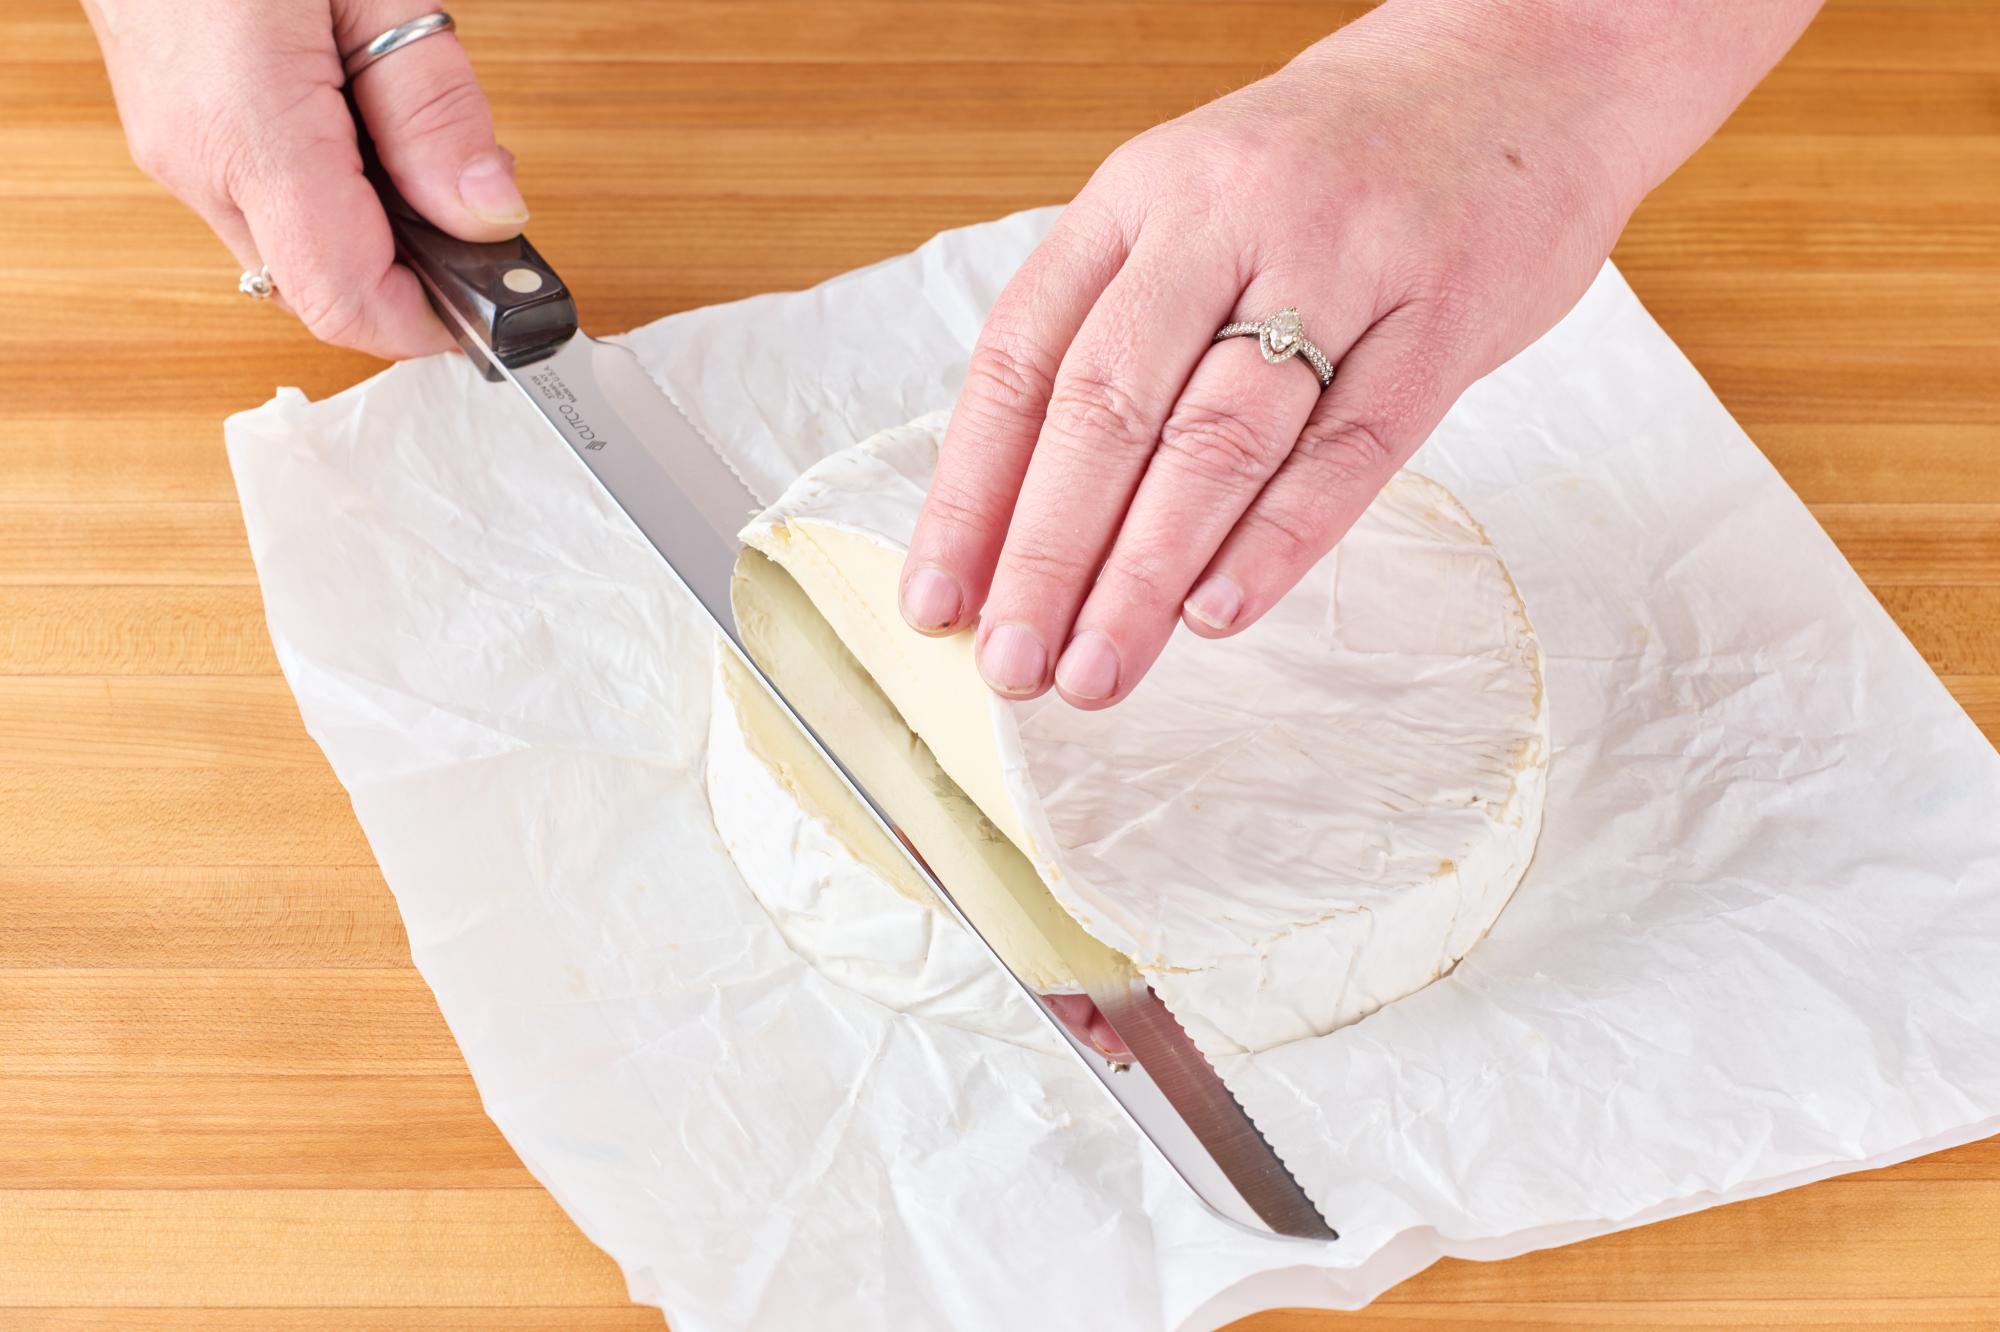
(1217, 602)
(1013, 660)
(931, 599)
(1089, 666)
(487, 189)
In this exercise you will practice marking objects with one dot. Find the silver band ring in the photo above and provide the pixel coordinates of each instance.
(257, 284)
(1280, 338)
(393, 40)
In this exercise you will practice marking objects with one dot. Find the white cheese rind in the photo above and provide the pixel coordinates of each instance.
(1286, 829)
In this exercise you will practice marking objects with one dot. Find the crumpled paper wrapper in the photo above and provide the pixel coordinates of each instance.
(1756, 947)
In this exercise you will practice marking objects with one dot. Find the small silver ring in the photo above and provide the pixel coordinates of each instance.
(1281, 337)
(394, 40)
(256, 284)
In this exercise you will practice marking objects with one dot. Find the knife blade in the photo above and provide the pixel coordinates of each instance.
(516, 320)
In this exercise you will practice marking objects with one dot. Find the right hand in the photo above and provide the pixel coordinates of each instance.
(237, 109)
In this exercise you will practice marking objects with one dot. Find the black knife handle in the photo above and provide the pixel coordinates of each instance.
(500, 296)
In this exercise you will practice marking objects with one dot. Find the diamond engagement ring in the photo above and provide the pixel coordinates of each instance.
(257, 284)
(1280, 338)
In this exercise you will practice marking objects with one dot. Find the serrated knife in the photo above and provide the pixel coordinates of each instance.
(516, 320)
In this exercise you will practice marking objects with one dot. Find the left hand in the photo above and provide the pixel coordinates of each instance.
(1430, 190)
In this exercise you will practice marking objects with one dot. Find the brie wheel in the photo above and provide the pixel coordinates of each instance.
(1285, 829)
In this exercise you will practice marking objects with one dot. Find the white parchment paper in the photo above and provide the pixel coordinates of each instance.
(1756, 948)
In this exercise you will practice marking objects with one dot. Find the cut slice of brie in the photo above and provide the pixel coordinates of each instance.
(1285, 829)
(789, 808)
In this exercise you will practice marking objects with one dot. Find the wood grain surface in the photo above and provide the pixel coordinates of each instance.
(226, 1099)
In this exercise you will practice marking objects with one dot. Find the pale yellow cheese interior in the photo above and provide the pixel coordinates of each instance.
(785, 632)
(853, 580)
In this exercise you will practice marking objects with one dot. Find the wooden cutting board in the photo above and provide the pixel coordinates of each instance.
(227, 1101)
